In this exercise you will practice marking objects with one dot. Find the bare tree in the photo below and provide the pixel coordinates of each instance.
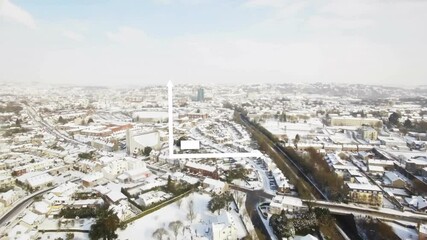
(179, 202)
(160, 233)
(191, 214)
(175, 227)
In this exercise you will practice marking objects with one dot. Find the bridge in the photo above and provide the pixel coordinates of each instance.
(380, 213)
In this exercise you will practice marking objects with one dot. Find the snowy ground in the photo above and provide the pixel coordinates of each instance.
(199, 228)
(290, 129)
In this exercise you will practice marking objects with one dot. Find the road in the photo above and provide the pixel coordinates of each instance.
(24, 203)
(253, 198)
(20, 206)
(37, 118)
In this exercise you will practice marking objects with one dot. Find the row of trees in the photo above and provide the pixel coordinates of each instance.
(317, 168)
(78, 212)
(408, 125)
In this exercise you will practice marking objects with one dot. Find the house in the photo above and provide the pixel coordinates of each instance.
(352, 121)
(6, 181)
(365, 193)
(152, 197)
(215, 186)
(137, 141)
(393, 180)
(9, 197)
(416, 164)
(281, 181)
(224, 228)
(376, 169)
(41, 208)
(30, 219)
(368, 133)
(91, 180)
(281, 203)
(114, 168)
(85, 203)
(115, 196)
(387, 164)
(137, 174)
(65, 189)
(36, 179)
(202, 169)
(416, 202)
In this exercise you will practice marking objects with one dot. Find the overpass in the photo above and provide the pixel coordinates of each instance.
(380, 213)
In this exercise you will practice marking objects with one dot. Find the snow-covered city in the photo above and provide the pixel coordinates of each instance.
(97, 162)
(213, 120)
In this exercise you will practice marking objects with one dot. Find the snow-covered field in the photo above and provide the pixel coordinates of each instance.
(199, 228)
(290, 129)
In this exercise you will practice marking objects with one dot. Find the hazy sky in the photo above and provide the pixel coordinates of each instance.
(213, 41)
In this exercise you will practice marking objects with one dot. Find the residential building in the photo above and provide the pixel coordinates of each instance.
(215, 186)
(352, 121)
(224, 228)
(281, 203)
(365, 193)
(393, 180)
(368, 133)
(202, 169)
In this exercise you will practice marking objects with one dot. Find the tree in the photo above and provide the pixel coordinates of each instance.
(283, 117)
(170, 184)
(219, 201)
(69, 236)
(296, 140)
(191, 215)
(160, 233)
(394, 118)
(178, 142)
(61, 120)
(175, 227)
(106, 225)
(179, 202)
(90, 120)
(18, 122)
(407, 123)
(147, 151)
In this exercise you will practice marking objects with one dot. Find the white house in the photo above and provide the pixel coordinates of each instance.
(224, 228)
(286, 203)
(215, 186)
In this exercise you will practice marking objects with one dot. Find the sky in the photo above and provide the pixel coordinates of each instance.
(129, 42)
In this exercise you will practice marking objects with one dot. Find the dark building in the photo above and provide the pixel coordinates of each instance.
(200, 95)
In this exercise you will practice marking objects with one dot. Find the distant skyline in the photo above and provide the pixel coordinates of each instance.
(113, 43)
